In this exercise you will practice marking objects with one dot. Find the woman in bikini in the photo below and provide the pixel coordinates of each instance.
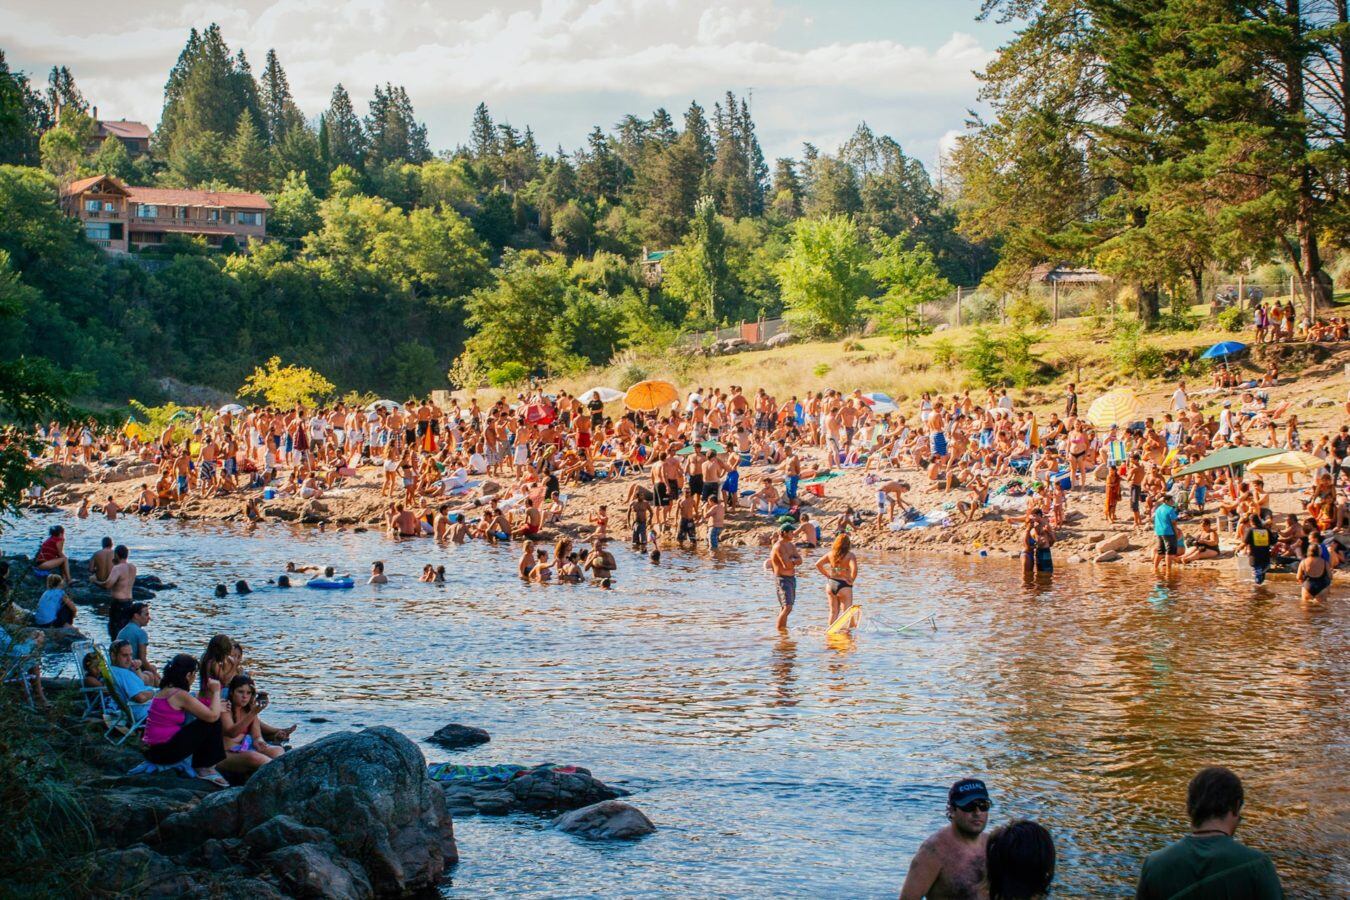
(840, 568)
(1314, 574)
(1205, 545)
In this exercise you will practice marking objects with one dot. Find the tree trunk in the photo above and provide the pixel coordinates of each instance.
(1146, 303)
(1315, 283)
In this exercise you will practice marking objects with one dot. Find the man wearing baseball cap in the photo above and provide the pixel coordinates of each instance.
(950, 863)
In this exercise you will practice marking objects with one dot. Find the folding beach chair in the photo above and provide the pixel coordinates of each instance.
(16, 668)
(97, 703)
(125, 717)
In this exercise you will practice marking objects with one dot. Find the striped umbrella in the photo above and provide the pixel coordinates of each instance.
(1287, 463)
(1118, 407)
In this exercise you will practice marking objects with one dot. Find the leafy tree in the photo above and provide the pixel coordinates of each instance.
(506, 318)
(295, 210)
(909, 279)
(113, 159)
(698, 275)
(572, 229)
(787, 189)
(286, 386)
(208, 90)
(298, 151)
(823, 275)
(63, 147)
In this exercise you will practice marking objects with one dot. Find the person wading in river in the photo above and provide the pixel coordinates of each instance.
(783, 561)
(950, 865)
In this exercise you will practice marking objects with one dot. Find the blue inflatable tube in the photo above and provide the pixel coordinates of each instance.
(330, 584)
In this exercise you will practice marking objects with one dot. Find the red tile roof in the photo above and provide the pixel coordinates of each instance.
(84, 184)
(124, 129)
(175, 197)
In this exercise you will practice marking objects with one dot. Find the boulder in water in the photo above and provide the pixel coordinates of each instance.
(607, 820)
(455, 736)
(541, 789)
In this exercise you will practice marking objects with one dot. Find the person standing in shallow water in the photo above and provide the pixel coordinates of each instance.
(784, 558)
(950, 865)
(1210, 863)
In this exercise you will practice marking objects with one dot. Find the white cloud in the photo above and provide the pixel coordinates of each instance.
(576, 57)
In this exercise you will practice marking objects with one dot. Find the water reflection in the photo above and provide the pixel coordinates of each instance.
(1086, 699)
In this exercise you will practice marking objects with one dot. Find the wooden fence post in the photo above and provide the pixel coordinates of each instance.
(958, 306)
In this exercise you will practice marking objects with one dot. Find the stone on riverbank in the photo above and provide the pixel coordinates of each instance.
(455, 736)
(541, 789)
(1116, 542)
(350, 815)
(609, 820)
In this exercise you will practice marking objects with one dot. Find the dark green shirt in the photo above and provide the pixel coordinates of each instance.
(1213, 867)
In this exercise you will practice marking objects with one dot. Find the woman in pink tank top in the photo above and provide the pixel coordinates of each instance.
(169, 737)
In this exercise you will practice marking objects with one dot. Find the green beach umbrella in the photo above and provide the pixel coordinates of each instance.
(1229, 456)
(714, 446)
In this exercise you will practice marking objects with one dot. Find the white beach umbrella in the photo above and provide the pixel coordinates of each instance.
(231, 409)
(606, 395)
(384, 404)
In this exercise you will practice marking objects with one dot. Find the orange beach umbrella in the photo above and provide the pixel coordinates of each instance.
(649, 395)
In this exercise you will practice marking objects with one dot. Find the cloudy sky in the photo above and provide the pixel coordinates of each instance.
(817, 67)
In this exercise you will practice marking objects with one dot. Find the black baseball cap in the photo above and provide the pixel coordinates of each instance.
(967, 791)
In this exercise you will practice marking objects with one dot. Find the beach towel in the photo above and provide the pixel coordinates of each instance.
(1115, 452)
(182, 767)
(935, 519)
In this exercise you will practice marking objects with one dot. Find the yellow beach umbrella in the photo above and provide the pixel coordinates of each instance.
(649, 395)
(133, 430)
(1118, 407)
(1287, 463)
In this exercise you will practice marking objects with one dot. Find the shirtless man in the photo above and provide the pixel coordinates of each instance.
(688, 516)
(111, 509)
(783, 561)
(101, 563)
(601, 563)
(121, 579)
(950, 864)
(148, 500)
(637, 517)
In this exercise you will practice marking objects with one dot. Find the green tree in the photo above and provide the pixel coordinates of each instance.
(113, 159)
(572, 229)
(505, 318)
(280, 114)
(295, 210)
(208, 90)
(23, 116)
(823, 275)
(246, 156)
(909, 278)
(392, 132)
(346, 140)
(286, 386)
(698, 275)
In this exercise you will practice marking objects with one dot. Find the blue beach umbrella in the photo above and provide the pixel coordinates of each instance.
(1223, 349)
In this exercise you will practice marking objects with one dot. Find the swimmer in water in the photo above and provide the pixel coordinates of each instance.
(377, 575)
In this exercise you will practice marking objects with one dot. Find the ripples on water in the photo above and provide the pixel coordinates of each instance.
(803, 765)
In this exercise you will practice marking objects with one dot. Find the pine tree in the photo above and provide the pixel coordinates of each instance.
(696, 124)
(661, 129)
(346, 142)
(207, 91)
(279, 111)
(63, 93)
(247, 155)
(22, 118)
(392, 131)
(787, 189)
(484, 135)
(600, 173)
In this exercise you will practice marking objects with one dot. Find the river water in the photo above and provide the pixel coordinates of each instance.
(800, 765)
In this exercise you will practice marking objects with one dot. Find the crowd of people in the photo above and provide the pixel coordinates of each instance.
(693, 466)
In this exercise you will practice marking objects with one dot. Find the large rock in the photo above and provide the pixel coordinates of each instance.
(607, 820)
(370, 791)
(455, 737)
(125, 814)
(541, 789)
(141, 872)
(782, 339)
(316, 870)
(1115, 543)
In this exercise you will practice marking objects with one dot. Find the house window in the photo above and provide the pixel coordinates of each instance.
(146, 210)
(97, 231)
(109, 206)
(91, 206)
(182, 212)
(249, 218)
(213, 215)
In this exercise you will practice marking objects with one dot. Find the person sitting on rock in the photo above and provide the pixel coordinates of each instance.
(55, 609)
(241, 729)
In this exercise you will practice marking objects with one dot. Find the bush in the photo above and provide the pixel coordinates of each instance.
(507, 374)
(1234, 318)
(983, 358)
(1177, 315)
(821, 370)
(981, 306)
(850, 346)
(1025, 310)
(1132, 355)
(632, 373)
(1021, 365)
(944, 353)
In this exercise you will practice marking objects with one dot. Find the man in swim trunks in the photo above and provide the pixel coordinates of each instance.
(950, 864)
(121, 579)
(637, 517)
(688, 513)
(784, 558)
